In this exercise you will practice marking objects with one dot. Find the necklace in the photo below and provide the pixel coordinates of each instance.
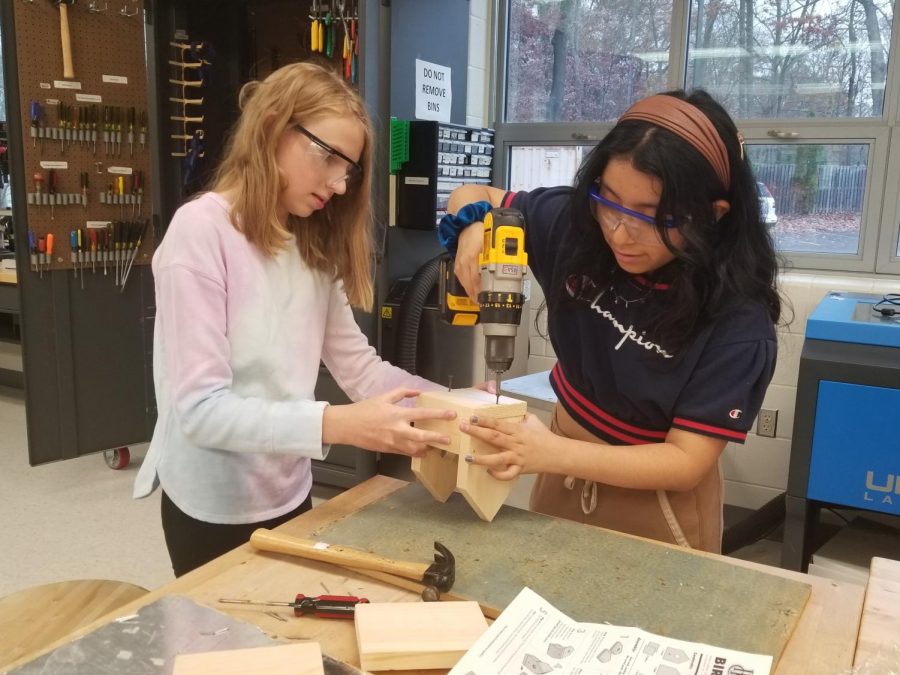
(618, 298)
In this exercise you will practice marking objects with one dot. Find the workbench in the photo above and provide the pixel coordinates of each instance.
(824, 640)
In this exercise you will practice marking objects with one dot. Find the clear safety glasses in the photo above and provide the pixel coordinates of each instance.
(338, 166)
(640, 227)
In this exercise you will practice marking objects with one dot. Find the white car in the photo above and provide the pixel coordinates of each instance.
(766, 205)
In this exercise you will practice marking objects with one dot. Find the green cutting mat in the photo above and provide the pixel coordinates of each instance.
(590, 574)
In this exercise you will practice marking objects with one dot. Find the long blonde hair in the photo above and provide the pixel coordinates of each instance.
(336, 239)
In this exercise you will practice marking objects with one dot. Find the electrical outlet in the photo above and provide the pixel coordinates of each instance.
(767, 423)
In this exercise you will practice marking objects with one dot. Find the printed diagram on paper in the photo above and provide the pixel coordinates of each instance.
(532, 637)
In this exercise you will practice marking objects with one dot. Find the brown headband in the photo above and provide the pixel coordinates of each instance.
(688, 122)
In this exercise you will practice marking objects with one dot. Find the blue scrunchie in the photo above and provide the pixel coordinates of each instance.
(451, 225)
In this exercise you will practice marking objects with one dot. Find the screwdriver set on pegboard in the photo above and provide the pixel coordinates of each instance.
(83, 89)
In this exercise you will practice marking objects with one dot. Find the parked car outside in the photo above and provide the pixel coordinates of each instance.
(766, 205)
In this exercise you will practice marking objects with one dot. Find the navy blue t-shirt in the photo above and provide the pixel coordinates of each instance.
(617, 381)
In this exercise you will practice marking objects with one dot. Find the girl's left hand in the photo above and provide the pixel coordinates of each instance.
(521, 447)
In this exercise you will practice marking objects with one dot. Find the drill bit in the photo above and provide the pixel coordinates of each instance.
(497, 385)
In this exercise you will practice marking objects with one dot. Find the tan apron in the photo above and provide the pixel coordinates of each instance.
(692, 518)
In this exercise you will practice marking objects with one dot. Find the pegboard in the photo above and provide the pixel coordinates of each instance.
(282, 33)
(109, 82)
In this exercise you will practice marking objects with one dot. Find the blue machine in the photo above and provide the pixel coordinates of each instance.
(846, 440)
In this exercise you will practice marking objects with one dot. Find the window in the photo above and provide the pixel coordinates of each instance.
(572, 61)
(811, 195)
(783, 59)
(807, 82)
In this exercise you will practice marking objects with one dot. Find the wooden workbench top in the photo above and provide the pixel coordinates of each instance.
(8, 276)
(823, 641)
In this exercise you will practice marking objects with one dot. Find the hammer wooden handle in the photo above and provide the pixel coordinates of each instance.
(68, 71)
(266, 540)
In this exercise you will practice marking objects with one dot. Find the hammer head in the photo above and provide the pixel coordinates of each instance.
(442, 572)
(57, 3)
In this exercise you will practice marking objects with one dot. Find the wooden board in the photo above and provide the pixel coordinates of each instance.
(589, 573)
(442, 471)
(297, 659)
(879, 629)
(37, 617)
(413, 635)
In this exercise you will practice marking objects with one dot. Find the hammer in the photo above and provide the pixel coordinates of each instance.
(68, 71)
(437, 577)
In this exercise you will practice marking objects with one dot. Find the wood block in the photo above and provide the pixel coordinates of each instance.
(440, 470)
(295, 659)
(414, 635)
(466, 402)
(879, 628)
(484, 493)
(436, 470)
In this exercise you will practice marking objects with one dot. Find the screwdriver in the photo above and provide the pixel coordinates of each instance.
(322, 606)
(143, 126)
(95, 114)
(84, 189)
(92, 235)
(107, 246)
(73, 244)
(136, 245)
(81, 255)
(42, 255)
(32, 246)
(49, 248)
(38, 179)
(131, 120)
(35, 124)
(52, 186)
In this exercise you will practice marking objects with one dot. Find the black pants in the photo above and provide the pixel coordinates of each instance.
(193, 543)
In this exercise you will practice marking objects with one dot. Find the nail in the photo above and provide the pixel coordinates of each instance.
(463, 426)
(474, 419)
(445, 440)
(469, 459)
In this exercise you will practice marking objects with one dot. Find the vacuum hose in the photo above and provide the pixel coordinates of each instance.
(410, 310)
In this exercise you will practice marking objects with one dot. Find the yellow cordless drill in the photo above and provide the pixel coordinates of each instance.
(503, 261)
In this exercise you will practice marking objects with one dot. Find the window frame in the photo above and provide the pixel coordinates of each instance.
(880, 223)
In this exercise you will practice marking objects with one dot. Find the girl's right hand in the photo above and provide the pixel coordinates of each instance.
(467, 267)
(380, 425)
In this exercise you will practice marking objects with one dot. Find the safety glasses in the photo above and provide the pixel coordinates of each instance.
(640, 227)
(337, 163)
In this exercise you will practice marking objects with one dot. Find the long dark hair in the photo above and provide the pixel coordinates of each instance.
(720, 262)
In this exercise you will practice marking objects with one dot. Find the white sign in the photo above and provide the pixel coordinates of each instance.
(121, 170)
(433, 93)
(89, 98)
(62, 84)
(115, 79)
(45, 164)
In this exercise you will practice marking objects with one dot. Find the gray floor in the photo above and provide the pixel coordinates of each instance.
(76, 519)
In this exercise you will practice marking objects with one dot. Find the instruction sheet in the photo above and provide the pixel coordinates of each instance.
(532, 637)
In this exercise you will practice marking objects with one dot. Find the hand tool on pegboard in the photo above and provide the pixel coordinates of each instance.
(65, 37)
(36, 113)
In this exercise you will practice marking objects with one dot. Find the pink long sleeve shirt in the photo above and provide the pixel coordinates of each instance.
(237, 344)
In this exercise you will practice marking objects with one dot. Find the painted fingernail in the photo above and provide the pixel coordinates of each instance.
(469, 459)
(474, 419)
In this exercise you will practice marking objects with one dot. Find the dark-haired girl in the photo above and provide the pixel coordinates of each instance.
(659, 281)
